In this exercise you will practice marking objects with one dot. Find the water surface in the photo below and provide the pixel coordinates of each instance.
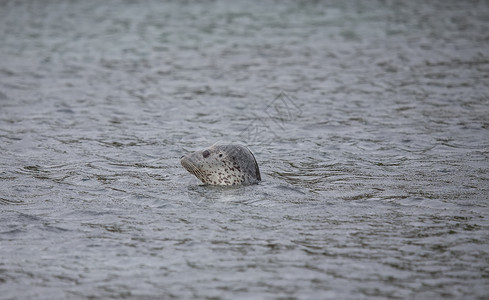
(369, 120)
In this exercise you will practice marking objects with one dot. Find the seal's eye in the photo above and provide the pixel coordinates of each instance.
(220, 154)
(205, 154)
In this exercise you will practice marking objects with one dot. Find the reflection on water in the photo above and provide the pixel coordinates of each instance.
(369, 123)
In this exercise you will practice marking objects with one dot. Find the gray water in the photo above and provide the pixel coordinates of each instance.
(369, 121)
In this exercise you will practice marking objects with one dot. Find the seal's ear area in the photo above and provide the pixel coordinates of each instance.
(258, 176)
(231, 151)
(252, 164)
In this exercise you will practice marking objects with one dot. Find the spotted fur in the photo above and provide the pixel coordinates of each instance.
(223, 165)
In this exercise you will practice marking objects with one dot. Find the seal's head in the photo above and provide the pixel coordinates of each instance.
(223, 165)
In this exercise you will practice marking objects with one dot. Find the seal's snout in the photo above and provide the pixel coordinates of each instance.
(187, 164)
(183, 161)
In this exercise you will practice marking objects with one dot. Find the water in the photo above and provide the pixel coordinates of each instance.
(369, 120)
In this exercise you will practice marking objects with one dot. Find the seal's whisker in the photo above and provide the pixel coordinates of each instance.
(193, 169)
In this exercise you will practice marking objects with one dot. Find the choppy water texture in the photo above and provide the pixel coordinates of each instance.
(369, 120)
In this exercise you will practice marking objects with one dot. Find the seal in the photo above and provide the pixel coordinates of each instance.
(230, 164)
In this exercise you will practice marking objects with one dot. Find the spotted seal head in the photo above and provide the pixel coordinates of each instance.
(223, 165)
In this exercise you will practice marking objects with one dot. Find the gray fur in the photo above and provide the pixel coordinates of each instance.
(223, 165)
